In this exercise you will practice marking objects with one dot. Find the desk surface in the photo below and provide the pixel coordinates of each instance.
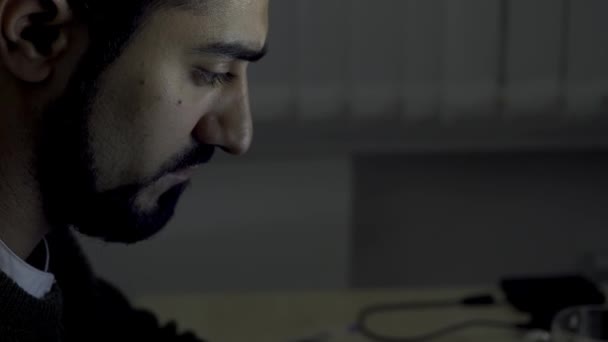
(283, 317)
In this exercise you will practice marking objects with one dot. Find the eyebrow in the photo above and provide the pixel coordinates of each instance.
(237, 51)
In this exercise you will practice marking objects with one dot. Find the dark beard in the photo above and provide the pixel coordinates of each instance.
(112, 216)
(67, 178)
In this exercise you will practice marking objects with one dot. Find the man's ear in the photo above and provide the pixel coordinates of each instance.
(33, 34)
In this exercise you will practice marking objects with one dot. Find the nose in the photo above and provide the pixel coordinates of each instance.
(229, 125)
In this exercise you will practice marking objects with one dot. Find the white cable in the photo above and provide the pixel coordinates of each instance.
(48, 255)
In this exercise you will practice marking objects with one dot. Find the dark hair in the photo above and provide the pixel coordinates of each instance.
(112, 23)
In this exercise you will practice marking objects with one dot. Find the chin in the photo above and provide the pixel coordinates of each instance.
(114, 216)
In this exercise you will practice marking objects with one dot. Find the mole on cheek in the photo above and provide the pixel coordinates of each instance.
(179, 102)
(142, 82)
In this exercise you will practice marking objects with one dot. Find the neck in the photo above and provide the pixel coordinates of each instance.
(22, 220)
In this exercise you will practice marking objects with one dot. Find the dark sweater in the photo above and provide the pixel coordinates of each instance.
(80, 307)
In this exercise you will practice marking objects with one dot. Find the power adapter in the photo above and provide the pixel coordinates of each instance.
(544, 297)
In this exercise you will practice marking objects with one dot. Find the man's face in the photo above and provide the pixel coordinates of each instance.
(129, 138)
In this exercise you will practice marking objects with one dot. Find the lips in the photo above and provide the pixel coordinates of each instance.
(185, 174)
(201, 155)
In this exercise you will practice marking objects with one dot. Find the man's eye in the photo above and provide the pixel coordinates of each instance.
(206, 77)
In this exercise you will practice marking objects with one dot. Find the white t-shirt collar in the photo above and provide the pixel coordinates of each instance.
(32, 280)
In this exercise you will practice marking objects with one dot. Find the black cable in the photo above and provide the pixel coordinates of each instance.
(361, 328)
(475, 301)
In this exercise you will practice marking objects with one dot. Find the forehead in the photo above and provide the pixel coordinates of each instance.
(220, 21)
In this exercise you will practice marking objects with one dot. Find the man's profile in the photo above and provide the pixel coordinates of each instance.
(106, 109)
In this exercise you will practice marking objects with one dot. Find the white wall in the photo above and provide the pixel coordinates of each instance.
(472, 218)
(442, 60)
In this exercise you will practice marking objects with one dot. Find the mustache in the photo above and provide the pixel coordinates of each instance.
(198, 155)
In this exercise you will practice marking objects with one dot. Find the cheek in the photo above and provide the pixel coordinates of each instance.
(181, 109)
(134, 131)
(165, 132)
(144, 121)
(171, 123)
(112, 140)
